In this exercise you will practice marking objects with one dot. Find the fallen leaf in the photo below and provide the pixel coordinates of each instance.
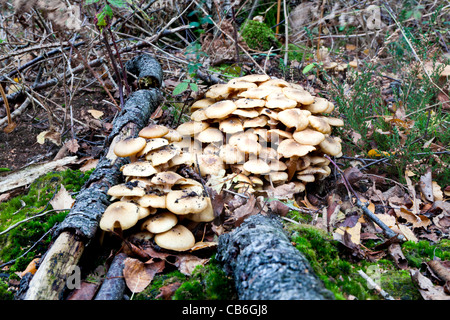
(426, 287)
(86, 291)
(426, 185)
(282, 192)
(437, 192)
(89, 164)
(166, 292)
(395, 250)
(138, 275)
(186, 263)
(53, 136)
(72, 145)
(32, 267)
(97, 114)
(62, 200)
(354, 233)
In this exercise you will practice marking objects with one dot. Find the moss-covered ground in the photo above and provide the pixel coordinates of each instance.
(18, 240)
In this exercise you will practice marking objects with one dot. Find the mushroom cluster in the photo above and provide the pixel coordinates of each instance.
(154, 198)
(264, 131)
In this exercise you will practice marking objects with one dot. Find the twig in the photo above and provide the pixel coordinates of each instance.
(374, 285)
(389, 232)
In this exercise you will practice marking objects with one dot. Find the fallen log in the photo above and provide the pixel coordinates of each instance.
(265, 265)
(113, 287)
(81, 224)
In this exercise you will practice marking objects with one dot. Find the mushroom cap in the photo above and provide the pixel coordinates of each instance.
(129, 146)
(231, 125)
(153, 144)
(160, 222)
(276, 135)
(206, 215)
(202, 103)
(237, 84)
(153, 200)
(138, 169)
(255, 93)
(290, 148)
(306, 178)
(259, 121)
(293, 118)
(319, 106)
(179, 238)
(231, 154)
(162, 155)
(270, 113)
(185, 201)
(126, 190)
(153, 131)
(330, 145)
(277, 176)
(210, 135)
(167, 178)
(280, 102)
(267, 153)
(320, 124)
(335, 122)
(257, 166)
(210, 164)
(313, 170)
(277, 165)
(220, 109)
(173, 135)
(218, 91)
(198, 115)
(254, 78)
(237, 138)
(274, 82)
(246, 113)
(309, 137)
(191, 128)
(119, 214)
(250, 146)
(182, 158)
(247, 103)
(298, 95)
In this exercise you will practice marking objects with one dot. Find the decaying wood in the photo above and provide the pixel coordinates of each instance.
(113, 287)
(265, 265)
(81, 224)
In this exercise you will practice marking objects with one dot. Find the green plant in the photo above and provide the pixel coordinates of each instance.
(258, 36)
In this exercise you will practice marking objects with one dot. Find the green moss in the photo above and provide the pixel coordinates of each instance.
(19, 239)
(258, 36)
(4, 293)
(423, 251)
(207, 282)
(398, 284)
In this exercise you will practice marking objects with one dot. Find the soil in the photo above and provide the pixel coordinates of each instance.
(20, 147)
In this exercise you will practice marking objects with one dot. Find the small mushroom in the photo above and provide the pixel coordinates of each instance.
(191, 128)
(162, 155)
(320, 124)
(160, 222)
(153, 131)
(210, 135)
(138, 169)
(179, 238)
(202, 103)
(206, 215)
(231, 125)
(153, 144)
(247, 103)
(129, 147)
(319, 106)
(256, 166)
(299, 95)
(231, 154)
(293, 118)
(167, 179)
(309, 137)
(119, 214)
(210, 164)
(289, 148)
(331, 146)
(220, 109)
(126, 190)
(153, 200)
(185, 201)
(254, 78)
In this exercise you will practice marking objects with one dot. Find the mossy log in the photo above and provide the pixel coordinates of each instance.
(81, 224)
(265, 265)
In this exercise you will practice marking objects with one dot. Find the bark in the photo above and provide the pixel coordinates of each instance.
(113, 287)
(265, 265)
(81, 224)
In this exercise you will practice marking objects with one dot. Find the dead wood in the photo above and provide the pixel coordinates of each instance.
(113, 287)
(81, 224)
(265, 265)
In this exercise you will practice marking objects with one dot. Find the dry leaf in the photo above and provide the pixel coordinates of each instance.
(416, 220)
(426, 185)
(31, 267)
(138, 275)
(62, 200)
(72, 145)
(437, 192)
(97, 114)
(86, 291)
(426, 287)
(90, 164)
(166, 292)
(186, 263)
(50, 135)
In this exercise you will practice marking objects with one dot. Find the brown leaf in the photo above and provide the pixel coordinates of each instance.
(279, 208)
(166, 292)
(62, 200)
(72, 145)
(396, 253)
(426, 185)
(86, 291)
(186, 263)
(426, 287)
(138, 275)
(282, 192)
(97, 114)
(10, 127)
(244, 211)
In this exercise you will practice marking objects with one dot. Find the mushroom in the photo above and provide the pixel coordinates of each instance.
(119, 214)
(257, 166)
(293, 118)
(210, 135)
(299, 95)
(308, 137)
(138, 169)
(319, 106)
(289, 148)
(231, 154)
(206, 215)
(126, 190)
(182, 202)
(129, 147)
(231, 125)
(255, 78)
(191, 128)
(153, 200)
(160, 222)
(162, 155)
(202, 103)
(320, 124)
(247, 103)
(153, 144)
(153, 131)
(210, 164)
(331, 146)
(220, 109)
(179, 238)
(166, 179)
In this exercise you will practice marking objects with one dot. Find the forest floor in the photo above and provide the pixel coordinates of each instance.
(385, 68)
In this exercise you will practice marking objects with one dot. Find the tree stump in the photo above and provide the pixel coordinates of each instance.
(265, 265)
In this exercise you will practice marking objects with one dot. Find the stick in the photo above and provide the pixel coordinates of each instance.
(374, 285)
